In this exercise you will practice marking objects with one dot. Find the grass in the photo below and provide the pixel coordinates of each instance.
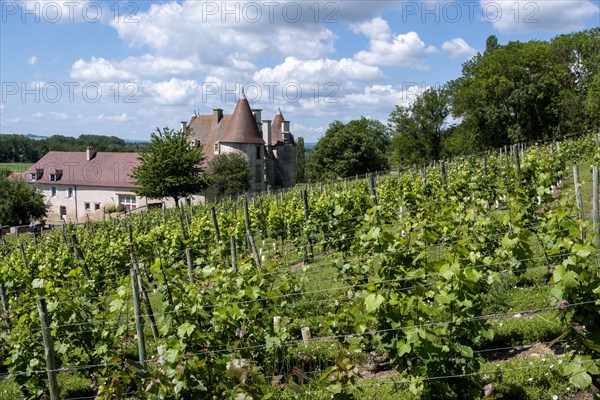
(14, 167)
(525, 378)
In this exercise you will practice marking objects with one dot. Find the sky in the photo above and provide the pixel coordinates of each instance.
(125, 68)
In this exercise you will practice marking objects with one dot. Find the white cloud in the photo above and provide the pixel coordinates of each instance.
(123, 117)
(168, 29)
(309, 72)
(172, 92)
(32, 60)
(458, 48)
(386, 49)
(59, 115)
(100, 69)
(38, 114)
(549, 15)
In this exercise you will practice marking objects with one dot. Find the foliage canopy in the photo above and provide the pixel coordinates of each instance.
(170, 167)
(230, 173)
(20, 202)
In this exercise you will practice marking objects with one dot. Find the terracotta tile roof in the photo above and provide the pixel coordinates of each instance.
(13, 176)
(242, 127)
(105, 169)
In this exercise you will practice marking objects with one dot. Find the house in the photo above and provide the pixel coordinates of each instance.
(81, 185)
(268, 145)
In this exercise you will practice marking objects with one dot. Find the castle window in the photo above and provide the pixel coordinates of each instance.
(217, 148)
(54, 191)
(258, 152)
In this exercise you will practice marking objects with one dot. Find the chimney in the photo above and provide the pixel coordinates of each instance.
(285, 130)
(90, 153)
(257, 114)
(183, 126)
(217, 116)
(266, 131)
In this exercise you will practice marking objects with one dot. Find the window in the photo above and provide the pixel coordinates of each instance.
(86, 206)
(96, 206)
(37, 174)
(128, 201)
(69, 193)
(56, 175)
(217, 148)
(258, 152)
(63, 213)
(54, 191)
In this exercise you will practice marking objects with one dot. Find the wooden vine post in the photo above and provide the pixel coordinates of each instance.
(190, 264)
(233, 254)
(372, 189)
(213, 216)
(249, 234)
(443, 173)
(139, 324)
(144, 293)
(578, 197)
(48, 348)
(79, 256)
(309, 246)
(517, 161)
(4, 302)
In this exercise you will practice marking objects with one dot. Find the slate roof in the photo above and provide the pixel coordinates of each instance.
(106, 169)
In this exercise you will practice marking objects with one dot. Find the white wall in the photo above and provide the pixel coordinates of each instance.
(257, 166)
(103, 196)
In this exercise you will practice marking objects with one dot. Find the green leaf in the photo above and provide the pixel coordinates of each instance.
(37, 283)
(373, 301)
(185, 329)
(581, 380)
(403, 348)
(463, 350)
(115, 305)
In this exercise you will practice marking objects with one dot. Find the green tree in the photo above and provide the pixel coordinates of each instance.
(300, 161)
(579, 56)
(20, 202)
(170, 167)
(491, 43)
(230, 173)
(418, 130)
(509, 94)
(357, 147)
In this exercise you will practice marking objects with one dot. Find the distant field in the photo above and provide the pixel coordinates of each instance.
(15, 167)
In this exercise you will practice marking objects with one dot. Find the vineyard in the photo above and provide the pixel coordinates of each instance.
(416, 284)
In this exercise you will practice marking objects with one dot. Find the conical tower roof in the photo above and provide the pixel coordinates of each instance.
(242, 126)
(276, 129)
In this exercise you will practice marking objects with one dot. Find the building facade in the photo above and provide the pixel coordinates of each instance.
(268, 145)
(82, 185)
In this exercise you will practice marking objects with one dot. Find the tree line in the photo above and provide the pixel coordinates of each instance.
(21, 148)
(517, 92)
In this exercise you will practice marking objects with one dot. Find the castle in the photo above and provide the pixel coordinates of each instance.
(268, 145)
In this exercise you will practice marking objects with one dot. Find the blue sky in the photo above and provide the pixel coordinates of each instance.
(124, 68)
